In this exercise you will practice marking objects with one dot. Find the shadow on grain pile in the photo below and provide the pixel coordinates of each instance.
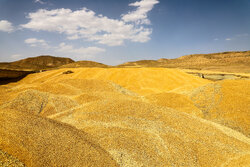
(8, 160)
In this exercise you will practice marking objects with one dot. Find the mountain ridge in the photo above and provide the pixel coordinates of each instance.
(36, 63)
(224, 61)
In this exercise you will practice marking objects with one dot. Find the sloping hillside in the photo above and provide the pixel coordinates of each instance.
(14, 71)
(36, 63)
(84, 64)
(226, 62)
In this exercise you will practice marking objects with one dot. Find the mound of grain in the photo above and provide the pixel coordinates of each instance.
(29, 101)
(57, 104)
(134, 130)
(140, 134)
(226, 102)
(176, 101)
(8, 160)
(37, 102)
(39, 141)
(143, 81)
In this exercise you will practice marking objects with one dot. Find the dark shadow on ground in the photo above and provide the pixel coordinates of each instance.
(8, 76)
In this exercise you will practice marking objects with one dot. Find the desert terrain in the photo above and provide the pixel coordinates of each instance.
(190, 111)
(225, 61)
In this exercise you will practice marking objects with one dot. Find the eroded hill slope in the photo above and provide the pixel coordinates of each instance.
(224, 62)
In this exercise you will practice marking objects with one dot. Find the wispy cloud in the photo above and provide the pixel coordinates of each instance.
(238, 36)
(242, 35)
(139, 16)
(6, 26)
(83, 52)
(16, 56)
(40, 1)
(37, 42)
(64, 49)
(85, 24)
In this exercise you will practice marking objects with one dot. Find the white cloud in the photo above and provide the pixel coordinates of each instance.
(83, 52)
(139, 16)
(85, 24)
(64, 49)
(216, 39)
(16, 56)
(238, 36)
(242, 35)
(39, 1)
(37, 42)
(6, 26)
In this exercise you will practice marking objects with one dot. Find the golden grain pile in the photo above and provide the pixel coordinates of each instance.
(38, 141)
(8, 160)
(125, 117)
(226, 102)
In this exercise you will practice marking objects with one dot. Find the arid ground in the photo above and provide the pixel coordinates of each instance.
(190, 113)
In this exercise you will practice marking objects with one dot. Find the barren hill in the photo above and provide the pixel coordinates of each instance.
(226, 62)
(14, 71)
(125, 117)
(84, 64)
(36, 63)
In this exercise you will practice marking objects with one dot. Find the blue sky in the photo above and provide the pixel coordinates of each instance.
(116, 31)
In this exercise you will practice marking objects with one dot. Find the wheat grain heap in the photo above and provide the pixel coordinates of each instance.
(126, 117)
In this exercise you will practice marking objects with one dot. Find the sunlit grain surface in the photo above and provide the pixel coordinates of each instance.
(125, 117)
